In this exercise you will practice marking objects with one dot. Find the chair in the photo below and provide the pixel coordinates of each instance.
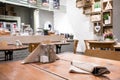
(32, 46)
(4, 44)
(107, 54)
(87, 45)
(101, 45)
(75, 45)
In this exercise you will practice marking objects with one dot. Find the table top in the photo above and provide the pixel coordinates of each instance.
(61, 67)
(56, 43)
(12, 47)
(58, 69)
(18, 71)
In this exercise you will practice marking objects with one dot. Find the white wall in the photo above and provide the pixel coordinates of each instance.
(116, 19)
(45, 16)
(75, 22)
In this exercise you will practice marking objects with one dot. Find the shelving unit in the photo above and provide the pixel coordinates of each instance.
(52, 5)
(6, 9)
(101, 14)
(107, 13)
(96, 17)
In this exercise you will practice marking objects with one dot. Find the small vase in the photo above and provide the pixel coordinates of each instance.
(107, 39)
(106, 22)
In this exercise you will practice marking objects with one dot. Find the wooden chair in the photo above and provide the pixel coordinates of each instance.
(101, 45)
(87, 45)
(107, 54)
(32, 46)
(75, 45)
(4, 44)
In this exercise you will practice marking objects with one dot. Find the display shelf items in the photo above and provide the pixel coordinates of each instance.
(95, 18)
(108, 6)
(83, 3)
(106, 18)
(52, 4)
(87, 10)
(79, 3)
(101, 14)
(32, 1)
(97, 28)
(96, 7)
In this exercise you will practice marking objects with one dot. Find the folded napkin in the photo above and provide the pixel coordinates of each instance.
(42, 53)
(89, 68)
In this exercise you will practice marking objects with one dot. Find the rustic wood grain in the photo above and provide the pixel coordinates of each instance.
(61, 67)
(18, 71)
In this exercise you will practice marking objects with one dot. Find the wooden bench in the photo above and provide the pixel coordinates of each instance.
(114, 55)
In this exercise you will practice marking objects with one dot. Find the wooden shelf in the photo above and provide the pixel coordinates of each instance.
(107, 10)
(93, 13)
(100, 7)
(96, 21)
(104, 1)
(109, 25)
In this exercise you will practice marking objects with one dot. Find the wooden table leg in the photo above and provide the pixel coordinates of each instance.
(8, 55)
(58, 49)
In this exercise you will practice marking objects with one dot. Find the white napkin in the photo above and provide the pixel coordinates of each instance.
(84, 67)
(42, 53)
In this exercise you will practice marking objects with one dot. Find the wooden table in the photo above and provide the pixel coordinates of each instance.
(102, 44)
(61, 67)
(58, 69)
(58, 45)
(8, 49)
(18, 71)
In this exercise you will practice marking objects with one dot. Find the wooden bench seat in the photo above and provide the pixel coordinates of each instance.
(114, 55)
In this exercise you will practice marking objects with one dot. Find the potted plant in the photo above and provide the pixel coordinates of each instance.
(45, 31)
(108, 36)
(97, 6)
(106, 18)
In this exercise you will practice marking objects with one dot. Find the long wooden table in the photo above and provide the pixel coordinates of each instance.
(61, 67)
(8, 50)
(58, 69)
(18, 71)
